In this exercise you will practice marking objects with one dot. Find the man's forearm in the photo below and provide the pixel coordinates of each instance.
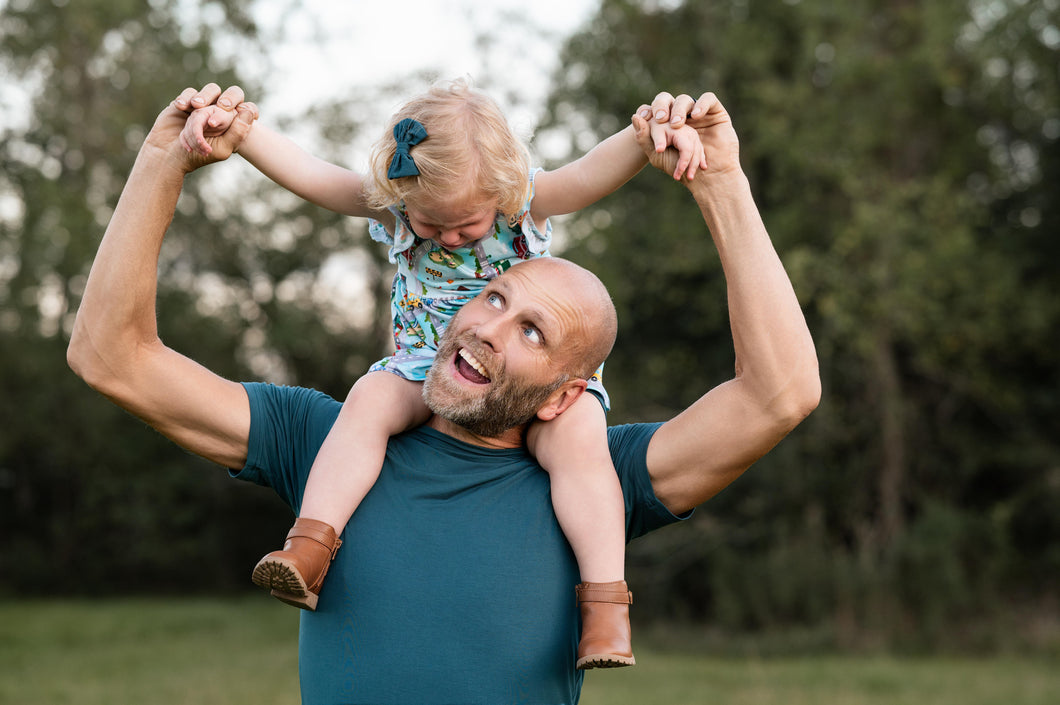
(115, 346)
(117, 310)
(700, 451)
(775, 356)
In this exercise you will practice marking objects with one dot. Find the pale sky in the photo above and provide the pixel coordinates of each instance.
(325, 45)
(321, 48)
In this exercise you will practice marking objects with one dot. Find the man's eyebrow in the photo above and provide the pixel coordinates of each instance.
(494, 284)
(542, 320)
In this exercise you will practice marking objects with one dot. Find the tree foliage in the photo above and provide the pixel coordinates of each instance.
(90, 499)
(904, 157)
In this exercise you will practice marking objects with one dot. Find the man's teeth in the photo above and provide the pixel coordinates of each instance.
(469, 359)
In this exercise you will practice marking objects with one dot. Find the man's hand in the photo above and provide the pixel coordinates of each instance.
(685, 156)
(204, 123)
(212, 113)
(219, 143)
(659, 126)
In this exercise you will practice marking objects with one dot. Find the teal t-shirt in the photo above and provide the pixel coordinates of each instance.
(454, 583)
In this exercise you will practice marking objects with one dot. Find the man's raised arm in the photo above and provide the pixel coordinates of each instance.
(777, 384)
(115, 346)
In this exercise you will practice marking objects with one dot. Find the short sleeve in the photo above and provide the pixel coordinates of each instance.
(287, 427)
(629, 451)
(538, 239)
(400, 240)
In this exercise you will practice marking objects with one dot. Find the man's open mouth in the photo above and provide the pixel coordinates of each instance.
(470, 368)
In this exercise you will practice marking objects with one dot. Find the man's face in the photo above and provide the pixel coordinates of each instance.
(498, 361)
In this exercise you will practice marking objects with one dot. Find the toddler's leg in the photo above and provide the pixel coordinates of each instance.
(378, 406)
(587, 498)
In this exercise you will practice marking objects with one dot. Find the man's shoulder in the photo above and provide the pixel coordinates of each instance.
(283, 394)
(631, 437)
(629, 451)
(274, 405)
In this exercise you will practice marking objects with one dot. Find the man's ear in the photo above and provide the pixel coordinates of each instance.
(562, 399)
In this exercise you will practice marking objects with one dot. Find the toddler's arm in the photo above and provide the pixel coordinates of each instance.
(608, 165)
(279, 158)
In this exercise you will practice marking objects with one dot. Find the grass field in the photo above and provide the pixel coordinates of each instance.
(214, 652)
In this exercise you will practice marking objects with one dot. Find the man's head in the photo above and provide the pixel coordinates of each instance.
(523, 348)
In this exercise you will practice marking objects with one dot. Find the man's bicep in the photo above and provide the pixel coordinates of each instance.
(195, 408)
(699, 452)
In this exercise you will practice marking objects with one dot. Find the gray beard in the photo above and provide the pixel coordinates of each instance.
(508, 403)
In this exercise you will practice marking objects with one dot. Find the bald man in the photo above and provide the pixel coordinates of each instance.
(454, 580)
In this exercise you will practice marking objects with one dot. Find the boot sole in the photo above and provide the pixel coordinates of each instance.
(604, 661)
(284, 583)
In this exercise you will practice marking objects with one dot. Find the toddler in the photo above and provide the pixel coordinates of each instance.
(451, 192)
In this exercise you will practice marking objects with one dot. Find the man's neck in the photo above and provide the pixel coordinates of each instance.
(512, 438)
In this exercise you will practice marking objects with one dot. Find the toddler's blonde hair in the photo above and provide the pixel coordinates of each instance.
(470, 153)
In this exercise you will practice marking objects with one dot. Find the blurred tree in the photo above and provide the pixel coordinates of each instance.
(253, 283)
(904, 157)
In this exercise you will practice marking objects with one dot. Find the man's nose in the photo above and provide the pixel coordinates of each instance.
(490, 332)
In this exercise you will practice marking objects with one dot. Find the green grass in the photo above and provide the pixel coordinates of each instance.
(234, 651)
(149, 652)
(824, 680)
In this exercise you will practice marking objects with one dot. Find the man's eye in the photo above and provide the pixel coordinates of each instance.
(532, 334)
(494, 300)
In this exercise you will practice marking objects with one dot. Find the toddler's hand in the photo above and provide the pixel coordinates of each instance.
(690, 155)
(203, 123)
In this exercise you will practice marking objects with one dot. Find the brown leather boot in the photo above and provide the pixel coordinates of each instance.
(296, 573)
(607, 641)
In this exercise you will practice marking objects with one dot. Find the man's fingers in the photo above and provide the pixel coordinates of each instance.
(206, 96)
(183, 101)
(246, 114)
(668, 109)
(681, 108)
(707, 103)
(210, 94)
(232, 96)
(660, 107)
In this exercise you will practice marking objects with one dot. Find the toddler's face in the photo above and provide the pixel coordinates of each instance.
(453, 225)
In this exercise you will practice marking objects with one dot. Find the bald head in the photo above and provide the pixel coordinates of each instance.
(576, 288)
(532, 331)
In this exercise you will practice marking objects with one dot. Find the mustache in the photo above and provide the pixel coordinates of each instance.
(480, 351)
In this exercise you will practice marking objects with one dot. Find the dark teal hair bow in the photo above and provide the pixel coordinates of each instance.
(408, 133)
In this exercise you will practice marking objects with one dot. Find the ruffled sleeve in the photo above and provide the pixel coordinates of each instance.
(401, 239)
(537, 239)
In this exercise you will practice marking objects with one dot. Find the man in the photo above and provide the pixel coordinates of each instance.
(453, 582)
